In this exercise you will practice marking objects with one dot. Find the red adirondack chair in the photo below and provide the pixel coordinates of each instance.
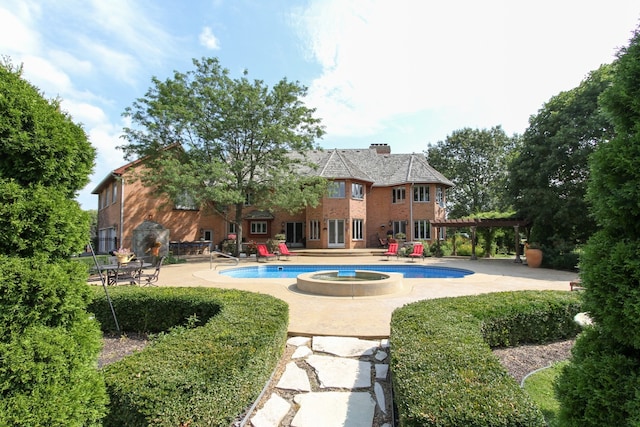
(392, 251)
(263, 252)
(418, 249)
(284, 250)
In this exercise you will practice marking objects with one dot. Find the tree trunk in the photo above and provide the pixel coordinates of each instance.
(239, 207)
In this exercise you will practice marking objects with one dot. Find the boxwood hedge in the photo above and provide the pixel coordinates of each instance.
(204, 375)
(444, 373)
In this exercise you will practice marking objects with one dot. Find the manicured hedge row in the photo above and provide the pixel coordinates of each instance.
(197, 376)
(444, 373)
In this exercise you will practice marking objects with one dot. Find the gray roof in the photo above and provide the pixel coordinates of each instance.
(382, 170)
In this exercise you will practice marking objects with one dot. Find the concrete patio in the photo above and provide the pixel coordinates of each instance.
(366, 317)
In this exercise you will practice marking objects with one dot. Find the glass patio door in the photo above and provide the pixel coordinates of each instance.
(295, 234)
(336, 233)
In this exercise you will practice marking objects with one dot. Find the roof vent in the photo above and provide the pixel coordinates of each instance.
(381, 148)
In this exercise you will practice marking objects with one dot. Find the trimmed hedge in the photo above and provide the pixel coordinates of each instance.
(198, 376)
(444, 373)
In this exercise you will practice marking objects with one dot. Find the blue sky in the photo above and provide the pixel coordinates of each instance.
(403, 72)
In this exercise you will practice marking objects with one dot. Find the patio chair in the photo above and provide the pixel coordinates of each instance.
(418, 250)
(263, 252)
(127, 273)
(392, 251)
(284, 250)
(150, 279)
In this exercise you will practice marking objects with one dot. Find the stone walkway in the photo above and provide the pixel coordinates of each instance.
(330, 381)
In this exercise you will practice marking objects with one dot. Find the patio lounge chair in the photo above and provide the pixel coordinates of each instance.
(418, 250)
(263, 252)
(284, 250)
(392, 251)
(150, 279)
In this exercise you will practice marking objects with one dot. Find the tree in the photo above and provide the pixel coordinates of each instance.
(600, 385)
(476, 162)
(49, 344)
(237, 139)
(548, 177)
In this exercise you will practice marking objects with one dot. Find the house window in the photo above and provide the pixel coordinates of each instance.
(232, 228)
(357, 191)
(184, 201)
(399, 227)
(439, 196)
(356, 229)
(421, 193)
(398, 194)
(258, 227)
(335, 190)
(106, 197)
(208, 235)
(114, 192)
(314, 229)
(248, 199)
(421, 230)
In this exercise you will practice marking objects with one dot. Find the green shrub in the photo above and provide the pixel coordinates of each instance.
(444, 373)
(587, 393)
(202, 376)
(48, 345)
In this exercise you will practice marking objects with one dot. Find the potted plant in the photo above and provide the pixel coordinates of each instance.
(400, 238)
(124, 255)
(533, 253)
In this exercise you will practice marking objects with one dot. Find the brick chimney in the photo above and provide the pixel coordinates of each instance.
(381, 148)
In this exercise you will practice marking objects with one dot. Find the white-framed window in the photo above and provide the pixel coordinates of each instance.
(398, 194)
(258, 227)
(356, 229)
(442, 233)
(248, 199)
(114, 192)
(357, 191)
(232, 228)
(314, 229)
(440, 196)
(421, 193)
(185, 202)
(421, 230)
(106, 197)
(336, 190)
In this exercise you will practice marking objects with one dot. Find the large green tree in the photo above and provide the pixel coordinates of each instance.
(49, 344)
(237, 138)
(600, 387)
(548, 177)
(475, 160)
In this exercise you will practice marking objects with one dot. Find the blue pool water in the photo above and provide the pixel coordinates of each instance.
(292, 271)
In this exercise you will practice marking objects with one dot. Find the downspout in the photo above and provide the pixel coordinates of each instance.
(121, 210)
(412, 234)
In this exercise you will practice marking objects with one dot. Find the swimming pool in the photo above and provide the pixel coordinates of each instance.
(292, 271)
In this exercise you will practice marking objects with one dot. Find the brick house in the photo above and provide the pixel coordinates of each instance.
(372, 193)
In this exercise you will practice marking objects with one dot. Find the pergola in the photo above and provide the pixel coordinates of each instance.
(474, 223)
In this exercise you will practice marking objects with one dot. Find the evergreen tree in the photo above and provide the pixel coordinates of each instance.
(601, 385)
(49, 344)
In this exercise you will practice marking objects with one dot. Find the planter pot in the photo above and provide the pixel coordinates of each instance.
(123, 259)
(534, 257)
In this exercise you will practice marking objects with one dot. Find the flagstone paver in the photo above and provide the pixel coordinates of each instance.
(330, 386)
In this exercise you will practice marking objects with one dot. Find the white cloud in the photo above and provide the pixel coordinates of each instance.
(494, 62)
(208, 39)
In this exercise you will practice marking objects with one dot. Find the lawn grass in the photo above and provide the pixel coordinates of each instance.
(540, 387)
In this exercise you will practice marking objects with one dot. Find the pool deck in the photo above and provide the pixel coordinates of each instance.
(367, 317)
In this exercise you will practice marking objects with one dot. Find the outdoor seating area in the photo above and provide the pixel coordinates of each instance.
(130, 273)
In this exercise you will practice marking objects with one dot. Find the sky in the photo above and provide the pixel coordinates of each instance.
(407, 73)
